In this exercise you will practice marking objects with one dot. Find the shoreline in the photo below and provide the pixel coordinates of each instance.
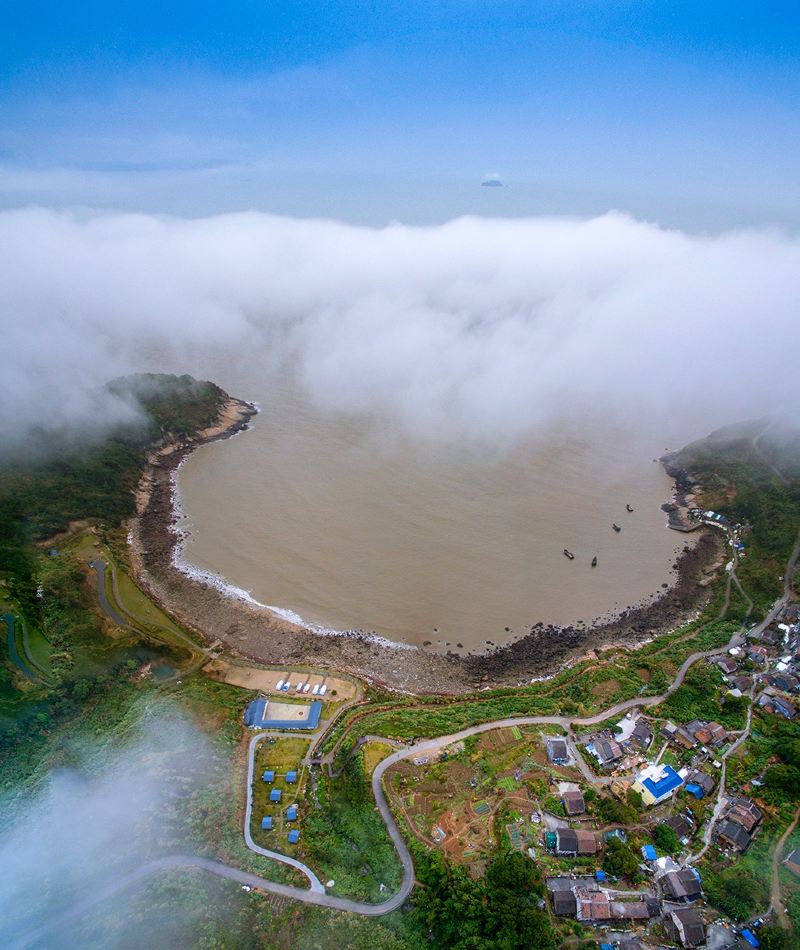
(223, 614)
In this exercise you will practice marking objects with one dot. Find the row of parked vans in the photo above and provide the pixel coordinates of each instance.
(318, 690)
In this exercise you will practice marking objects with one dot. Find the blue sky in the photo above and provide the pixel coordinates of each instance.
(684, 113)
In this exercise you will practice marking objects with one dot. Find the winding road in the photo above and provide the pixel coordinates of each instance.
(316, 894)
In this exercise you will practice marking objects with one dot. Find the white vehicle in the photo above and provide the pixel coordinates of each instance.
(298, 688)
(287, 686)
(280, 684)
(307, 687)
(315, 690)
(323, 689)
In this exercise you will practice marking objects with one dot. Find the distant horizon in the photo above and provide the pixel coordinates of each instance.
(679, 116)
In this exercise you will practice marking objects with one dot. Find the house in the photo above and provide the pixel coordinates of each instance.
(677, 735)
(682, 886)
(681, 825)
(291, 776)
(719, 736)
(266, 823)
(744, 683)
(587, 842)
(566, 842)
(635, 910)
(792, 862)
(777, 705)
(606, 751)
(784, 682)
(592, 906)
(294, 836)
(571, 843)
(268, 776)
(642, 734)
(657, 783)
(557, 751)
(564, 903)
(744, 812)
(573, 802)
(685, 926)
(758, 654)
(699, 783)
(275, 795)
(733, 835)
(291, 813)
(727, 664)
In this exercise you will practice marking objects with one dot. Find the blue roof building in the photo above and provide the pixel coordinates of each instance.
(257, 715)
(750, 937)
(649, 852)
(656, 783)
(291, 776)
(268, 776)
(275, 795)
(266, 823)
(291, 813)
(294, 836)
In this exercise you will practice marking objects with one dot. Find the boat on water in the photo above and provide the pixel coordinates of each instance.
(594, 561)
(616, 527)
(628, 508)
(569, 554)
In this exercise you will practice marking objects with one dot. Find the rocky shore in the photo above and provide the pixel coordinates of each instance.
(257, 634)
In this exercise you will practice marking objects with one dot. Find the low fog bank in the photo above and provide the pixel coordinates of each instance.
(94, 822)
(480, 330)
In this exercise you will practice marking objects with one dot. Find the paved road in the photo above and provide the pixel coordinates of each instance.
(105, 603)
(319, 897)
(314, 881)
(775, 905)
(13, 653)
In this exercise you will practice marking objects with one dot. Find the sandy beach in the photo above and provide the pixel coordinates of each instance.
(256, 633)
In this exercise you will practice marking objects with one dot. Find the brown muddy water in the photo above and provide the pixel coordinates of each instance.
(328, 517)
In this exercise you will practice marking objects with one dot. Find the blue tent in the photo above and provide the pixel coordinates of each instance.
(291, 813)
(600, 875)
(294, 836)
(275, 795)
(695, 790)
(751, 938)
(266, 823)
(268, 776)
(291, 776)
(649, 852)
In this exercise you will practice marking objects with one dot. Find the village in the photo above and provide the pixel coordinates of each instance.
(624, 819)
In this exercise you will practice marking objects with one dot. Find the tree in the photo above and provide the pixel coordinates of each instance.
(666, 839)
(620, 859)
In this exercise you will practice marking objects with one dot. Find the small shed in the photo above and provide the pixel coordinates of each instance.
(275, 795)
(294, 836)
(266, 823)
(291, 813)
(268, 776)
(291, 776)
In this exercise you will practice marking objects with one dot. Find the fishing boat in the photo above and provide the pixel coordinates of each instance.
(616, 527)
(594, 561)
(628, 508)
(569, 554)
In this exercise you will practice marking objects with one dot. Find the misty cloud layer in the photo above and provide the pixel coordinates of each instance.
(99, 821)
(489, 330)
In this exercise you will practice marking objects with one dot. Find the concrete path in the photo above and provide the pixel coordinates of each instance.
(775, 904)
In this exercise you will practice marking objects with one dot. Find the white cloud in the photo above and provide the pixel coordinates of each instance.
(481, 329)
